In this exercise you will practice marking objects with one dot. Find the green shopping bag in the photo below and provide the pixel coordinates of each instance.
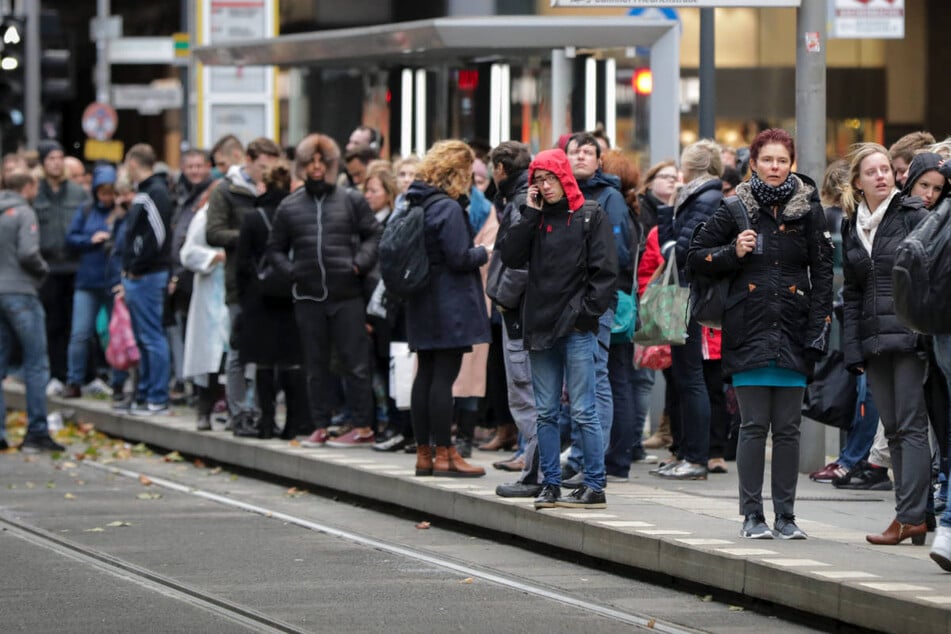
(663, 310)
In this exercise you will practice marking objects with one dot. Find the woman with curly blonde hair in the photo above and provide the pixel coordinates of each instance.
(444, 320)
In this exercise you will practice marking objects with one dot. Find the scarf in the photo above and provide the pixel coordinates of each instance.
(767, 195)
(867, 221)
(689, 189)
(318, 189)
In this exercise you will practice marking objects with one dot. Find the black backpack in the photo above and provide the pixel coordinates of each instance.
(708, 295)
(921, 276)
(404, 263)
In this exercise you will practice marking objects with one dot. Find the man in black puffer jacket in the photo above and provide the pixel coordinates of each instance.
(325, 239)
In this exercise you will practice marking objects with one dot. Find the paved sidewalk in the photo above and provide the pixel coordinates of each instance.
(688, 530)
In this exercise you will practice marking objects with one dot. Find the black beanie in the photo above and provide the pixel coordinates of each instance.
(46, 146)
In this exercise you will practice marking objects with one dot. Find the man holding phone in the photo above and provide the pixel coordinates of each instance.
(572, 270)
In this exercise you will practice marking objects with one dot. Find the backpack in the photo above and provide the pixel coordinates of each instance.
(921, 276)
(404, 263)
(271, 281)
(708, 295)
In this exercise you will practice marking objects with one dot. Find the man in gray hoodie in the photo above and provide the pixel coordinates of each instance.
(22, 271)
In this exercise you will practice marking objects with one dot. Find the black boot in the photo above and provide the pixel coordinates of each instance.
(465, 428)
(243, 425)
(267, 395)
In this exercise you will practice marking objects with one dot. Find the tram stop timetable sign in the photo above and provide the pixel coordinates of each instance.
(100, 121)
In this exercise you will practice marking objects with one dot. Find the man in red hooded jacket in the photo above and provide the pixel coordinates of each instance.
(572, 263)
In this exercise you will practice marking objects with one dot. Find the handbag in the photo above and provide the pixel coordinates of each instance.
(830, 398)
(708, 296)
(652, 357)
(121, 353)
(402, 373)
(664, 310)
(271, 281)
(625, 315)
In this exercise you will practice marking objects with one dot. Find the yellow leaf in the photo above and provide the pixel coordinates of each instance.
(30, 485)
(95, 530)
(141, 448)
(468, 580)
(69, 465)
(118, 523)
(69, 496)
(215, 471)
(294, 443)
(50, 485)
(149, 496)
(145, 481)
(173, 457)
(233, 477)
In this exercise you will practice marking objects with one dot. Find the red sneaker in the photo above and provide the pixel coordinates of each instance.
(828, 473)
(316, 439)
(353, 438)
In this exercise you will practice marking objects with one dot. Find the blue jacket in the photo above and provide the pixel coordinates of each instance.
(97, 268)
(696, 203)
(606, 190)
(451, 312)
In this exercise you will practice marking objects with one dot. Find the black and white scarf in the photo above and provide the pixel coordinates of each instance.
(769, 196)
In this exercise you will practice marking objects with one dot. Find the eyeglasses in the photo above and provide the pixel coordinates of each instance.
(550, 179)
(666, 177)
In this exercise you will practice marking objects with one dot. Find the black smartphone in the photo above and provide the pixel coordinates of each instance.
(537, 198)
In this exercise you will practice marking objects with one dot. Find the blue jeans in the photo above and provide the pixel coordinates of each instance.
(859, 440)
(603, 391)
(942, 353)
(618, 455)
(642, 384)
(145, 298)
(687, 368)
(569, 363)
(87, 303)
(22, 320)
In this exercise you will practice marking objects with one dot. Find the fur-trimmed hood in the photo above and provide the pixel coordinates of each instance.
(798, 205)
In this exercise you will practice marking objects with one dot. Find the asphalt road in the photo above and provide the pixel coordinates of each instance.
(84, 549)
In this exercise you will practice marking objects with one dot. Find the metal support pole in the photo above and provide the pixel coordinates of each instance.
(560, 91)
(610, 101)
(102, 54)
(708, 86)
(32, 110)
(811, 88)
(665, 97)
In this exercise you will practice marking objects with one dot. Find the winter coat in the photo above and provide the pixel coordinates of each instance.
(606, 190)
(871, 326)
(505, 285)
(695, 204)
(208, 324)
(55, 210)
(572, 271)
(329, 235)
(648, 204)
(187, 196)
(97, 269)
(451, 312)
(779, 307)
(230, 201)
(148, 241)
(22, 268)
(267, 333)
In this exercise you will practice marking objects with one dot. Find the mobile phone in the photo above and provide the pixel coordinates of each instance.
(537, 198)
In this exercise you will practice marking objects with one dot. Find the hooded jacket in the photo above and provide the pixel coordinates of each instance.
(780, 299)
(22, 268)
(572, 270)
(506, 285)
(606, 190)
(97, 268)
(187, 196)
(231, 199)
(921, 164)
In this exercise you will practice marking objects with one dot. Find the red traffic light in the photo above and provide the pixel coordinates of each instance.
(642, 81)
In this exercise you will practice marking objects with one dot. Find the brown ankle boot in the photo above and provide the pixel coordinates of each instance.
(449, 464)
(660, 438)
(898, 532)
(424, 460)
(506, 436)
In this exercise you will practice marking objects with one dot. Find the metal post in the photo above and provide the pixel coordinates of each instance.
(102, 53)
(708, 86)
(31, 75)
(185, 74)
(560, 90)
(665, 97)
(610, 101)
(811, 88)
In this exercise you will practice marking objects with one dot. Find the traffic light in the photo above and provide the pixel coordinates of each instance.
(642, 81)
(57, 83)
(11, 82)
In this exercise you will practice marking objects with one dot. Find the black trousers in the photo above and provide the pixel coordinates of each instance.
(431, 401)
(56, 295)
(336, 327)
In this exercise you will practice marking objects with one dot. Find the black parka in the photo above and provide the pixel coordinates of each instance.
(780, 300)
(871, 325)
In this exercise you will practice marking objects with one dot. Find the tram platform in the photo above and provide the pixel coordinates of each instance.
(687, 530)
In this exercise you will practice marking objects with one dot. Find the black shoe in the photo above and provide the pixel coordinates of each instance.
(410, 447)
(864, 477)
(393, 443)
(548, 496)
(3, 444)
(518, 490)
(464, 447)
(244, 426)
(583, 498)
(266, 430)
(204, 423)
(36, 444)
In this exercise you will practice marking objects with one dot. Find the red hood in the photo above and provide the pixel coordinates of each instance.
(556, 162)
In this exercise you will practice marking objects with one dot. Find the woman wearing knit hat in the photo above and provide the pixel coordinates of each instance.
(572, 268)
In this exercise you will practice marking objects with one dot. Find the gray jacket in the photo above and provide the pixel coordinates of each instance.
(55, 211)
(22, 268)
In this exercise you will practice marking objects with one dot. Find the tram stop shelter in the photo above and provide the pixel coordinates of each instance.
(440, 43)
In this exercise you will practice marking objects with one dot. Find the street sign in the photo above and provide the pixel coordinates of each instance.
(677, 4)
(100, 121)
(181, 44)
(111, 151)
(142, 50)
(855, 19)
(148, 98)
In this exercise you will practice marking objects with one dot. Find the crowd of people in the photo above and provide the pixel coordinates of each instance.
(253, 279)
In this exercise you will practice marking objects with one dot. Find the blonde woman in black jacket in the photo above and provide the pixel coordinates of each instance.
(875, 341)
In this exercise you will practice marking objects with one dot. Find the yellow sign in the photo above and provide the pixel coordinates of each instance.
(104, 150)
(181, 44)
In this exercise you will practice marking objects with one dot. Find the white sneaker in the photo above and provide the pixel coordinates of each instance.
(941, 547)
(55, 387)
(96, 387)
(54, 422)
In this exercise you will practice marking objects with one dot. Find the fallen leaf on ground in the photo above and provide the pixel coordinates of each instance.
(423, 525)
(707, 599)
(173, 457)
(294, 443)
(468, 580)
(30, 485)
(86, 427)
(736, 608)
(80, 482)
(149, 496)
(145, 481)
(294, 492)
(651, 623)
(95, 530)
(69, 496)
(69, 465)
(29, 458)
(199, 464)
(233, 477)
(50, 485)
(141, 448)
(118, 523)
(215, 471)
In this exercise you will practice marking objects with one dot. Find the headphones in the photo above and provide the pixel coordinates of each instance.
(376, 139)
